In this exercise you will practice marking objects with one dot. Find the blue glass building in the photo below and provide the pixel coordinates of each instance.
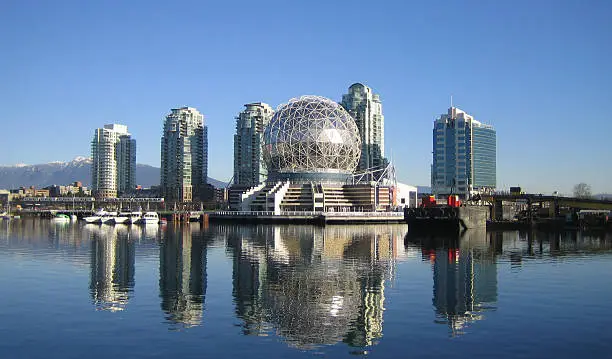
(464, 155)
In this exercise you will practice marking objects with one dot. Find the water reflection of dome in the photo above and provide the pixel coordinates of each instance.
(328, 286)
(182, 282)
(112, 267)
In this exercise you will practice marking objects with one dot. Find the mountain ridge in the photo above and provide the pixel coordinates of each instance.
(63, 173)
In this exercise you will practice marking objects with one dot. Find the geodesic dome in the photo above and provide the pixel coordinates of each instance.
(311, 134)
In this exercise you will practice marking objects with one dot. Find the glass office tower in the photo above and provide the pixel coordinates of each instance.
(464, 155)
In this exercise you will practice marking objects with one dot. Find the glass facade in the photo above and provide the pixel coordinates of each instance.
(464, 155)
(184, 155)
(113, 154)
(249, 167)
(484, 156)
(366, 109)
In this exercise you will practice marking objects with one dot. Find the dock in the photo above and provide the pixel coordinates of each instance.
(446, 219)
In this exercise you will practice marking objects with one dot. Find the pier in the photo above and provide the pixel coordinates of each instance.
(508, 211)
(550, 212)
(446, 219)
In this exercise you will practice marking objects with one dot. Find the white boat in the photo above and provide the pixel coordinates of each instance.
(135, 217)
(108, 217)
(122, 217)
(61, 218)
(150, 218)
(73, 217)
(96, 218)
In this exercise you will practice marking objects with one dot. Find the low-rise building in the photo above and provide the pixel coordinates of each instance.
(405, 196)
(4, 198)
(74, 189)
(31, 191)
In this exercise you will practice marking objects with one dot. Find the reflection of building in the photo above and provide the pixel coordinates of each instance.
(112, 267)
(182, 282)
(465, 279)
(464, 155)
(114, 161)
(313, 285)
(184, 155)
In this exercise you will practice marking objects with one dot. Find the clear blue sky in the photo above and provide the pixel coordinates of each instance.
(539, 71)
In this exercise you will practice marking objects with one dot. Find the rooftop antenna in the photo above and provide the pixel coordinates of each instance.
(451, 101)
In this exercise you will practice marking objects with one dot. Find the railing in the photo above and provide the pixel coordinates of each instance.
(133, 199)
(364, 214)
(244, 213)
(56, 199)
(89, 199)
(310, 214)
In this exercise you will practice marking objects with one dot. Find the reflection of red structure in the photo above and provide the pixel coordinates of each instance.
(452, 253)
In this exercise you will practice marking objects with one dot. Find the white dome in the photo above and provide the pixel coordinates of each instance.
(311, 134)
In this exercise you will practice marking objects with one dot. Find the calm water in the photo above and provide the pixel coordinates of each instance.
(90, 291)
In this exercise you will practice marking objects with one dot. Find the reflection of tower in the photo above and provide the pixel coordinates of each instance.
(182, 282)
(313, 285)
(368, 326)
(250, 267)
(465, 280)
(112, 268)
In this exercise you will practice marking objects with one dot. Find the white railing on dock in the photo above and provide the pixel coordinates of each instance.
(309, 214)
(364, 214)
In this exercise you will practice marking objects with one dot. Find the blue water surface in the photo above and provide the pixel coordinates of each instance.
(187, 291)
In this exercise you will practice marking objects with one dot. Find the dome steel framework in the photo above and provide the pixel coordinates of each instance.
(313, 135)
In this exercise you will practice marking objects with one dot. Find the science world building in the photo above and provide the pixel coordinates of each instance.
(311, 149)
(311, 139)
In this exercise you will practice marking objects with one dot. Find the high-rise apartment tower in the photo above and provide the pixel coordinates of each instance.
(464, 155)
(249, 167)
(365, 107)
(114, 161)
(184, 155)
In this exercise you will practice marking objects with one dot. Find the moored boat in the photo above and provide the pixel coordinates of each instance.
(122, 217)
(150, 218)
(96, 217)
(61, 218)
(135, 217)
(108, 217)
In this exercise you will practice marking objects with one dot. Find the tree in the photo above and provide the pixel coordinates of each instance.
(582, 190)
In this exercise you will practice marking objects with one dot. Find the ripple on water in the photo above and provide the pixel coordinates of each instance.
(291, 291)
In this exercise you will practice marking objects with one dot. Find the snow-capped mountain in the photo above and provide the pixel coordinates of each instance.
(62, 173)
